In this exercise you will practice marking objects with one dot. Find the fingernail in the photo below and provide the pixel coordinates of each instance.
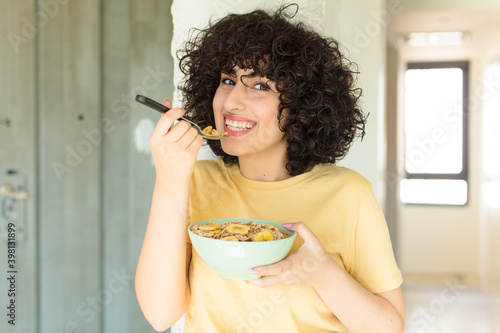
(165, 100)
(286, 225)
(254, 271)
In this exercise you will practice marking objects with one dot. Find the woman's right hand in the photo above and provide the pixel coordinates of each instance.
(174, 149)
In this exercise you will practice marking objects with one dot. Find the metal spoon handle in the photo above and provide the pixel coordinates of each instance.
(161, 108)
(151, 103)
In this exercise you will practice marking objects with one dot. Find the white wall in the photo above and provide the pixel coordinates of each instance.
(361, 27)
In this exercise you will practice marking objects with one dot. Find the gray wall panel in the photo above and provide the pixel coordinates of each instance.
(67, 88)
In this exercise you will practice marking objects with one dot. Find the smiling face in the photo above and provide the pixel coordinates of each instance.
(246, 107)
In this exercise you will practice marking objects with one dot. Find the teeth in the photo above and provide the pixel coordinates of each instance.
(236, 126)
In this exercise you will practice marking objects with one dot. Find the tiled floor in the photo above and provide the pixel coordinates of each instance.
(450, 305)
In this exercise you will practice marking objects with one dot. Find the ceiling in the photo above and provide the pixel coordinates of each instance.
(483, 26)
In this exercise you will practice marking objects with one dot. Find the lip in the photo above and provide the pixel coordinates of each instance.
(239, 119)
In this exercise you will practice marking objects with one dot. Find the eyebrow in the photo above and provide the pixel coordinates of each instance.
(232, 72)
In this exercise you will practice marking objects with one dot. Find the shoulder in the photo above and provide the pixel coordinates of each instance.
(210, 169)
(342, 184)
(343, 177)
(204, 166)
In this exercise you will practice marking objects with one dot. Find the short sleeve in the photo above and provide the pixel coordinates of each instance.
(371, 259)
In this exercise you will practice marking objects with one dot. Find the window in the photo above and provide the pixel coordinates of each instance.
(435, 120)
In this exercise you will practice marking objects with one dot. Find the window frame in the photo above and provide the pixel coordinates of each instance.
(464, 174)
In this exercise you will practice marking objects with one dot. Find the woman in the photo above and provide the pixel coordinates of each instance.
(286, 97)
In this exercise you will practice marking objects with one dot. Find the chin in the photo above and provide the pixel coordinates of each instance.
(232, 149)
(238, 148)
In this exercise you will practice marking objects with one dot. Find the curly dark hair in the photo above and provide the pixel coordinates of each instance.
(315, 81)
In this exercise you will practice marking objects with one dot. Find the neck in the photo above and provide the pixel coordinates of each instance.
(263, 170)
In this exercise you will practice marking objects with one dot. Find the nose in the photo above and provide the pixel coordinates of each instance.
(237, 97)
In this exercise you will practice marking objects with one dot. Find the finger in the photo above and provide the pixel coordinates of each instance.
(196, 144)
(179, 130)
(167, 120)
(302, 230)
(167, 103)
(311, 242)
(274, 269)
(188, 137)
(266, 281)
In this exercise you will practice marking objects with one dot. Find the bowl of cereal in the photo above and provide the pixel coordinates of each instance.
(233, 247)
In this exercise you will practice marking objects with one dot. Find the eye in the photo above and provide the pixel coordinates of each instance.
(262, 86)
(227, 81)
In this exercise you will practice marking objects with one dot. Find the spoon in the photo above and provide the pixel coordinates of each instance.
(162, 108)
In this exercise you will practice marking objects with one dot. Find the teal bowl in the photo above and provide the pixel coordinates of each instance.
(234, 260)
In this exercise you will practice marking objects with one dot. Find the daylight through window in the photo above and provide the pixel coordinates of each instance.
(435, 118)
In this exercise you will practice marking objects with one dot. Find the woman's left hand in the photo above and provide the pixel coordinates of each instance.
(306, 266)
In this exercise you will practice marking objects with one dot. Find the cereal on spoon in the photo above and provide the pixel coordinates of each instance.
(212, 131)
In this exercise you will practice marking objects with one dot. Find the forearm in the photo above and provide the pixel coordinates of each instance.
(358, 309)
(161, 278)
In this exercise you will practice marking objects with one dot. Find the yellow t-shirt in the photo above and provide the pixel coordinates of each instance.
(336, 203)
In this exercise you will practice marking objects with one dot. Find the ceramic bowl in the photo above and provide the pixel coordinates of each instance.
(234, 260)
